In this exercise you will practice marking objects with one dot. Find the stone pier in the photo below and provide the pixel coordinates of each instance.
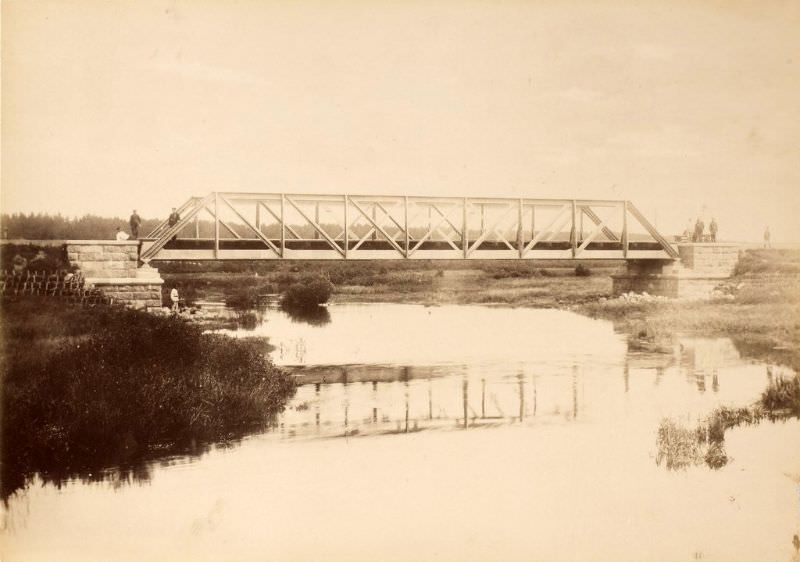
(701, 267)
(113, 267)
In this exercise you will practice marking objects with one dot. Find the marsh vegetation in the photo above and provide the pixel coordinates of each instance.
(85, 389)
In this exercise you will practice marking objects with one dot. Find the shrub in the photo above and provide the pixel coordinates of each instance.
(242, 299)
(309, 292)
(582, 271)
(34, 258)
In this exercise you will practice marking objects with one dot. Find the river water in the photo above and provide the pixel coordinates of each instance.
(451, 433)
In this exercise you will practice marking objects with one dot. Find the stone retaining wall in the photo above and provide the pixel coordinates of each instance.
(701, 268)
(104, 258)
(136, 293)
(709, 260)
(113, 267)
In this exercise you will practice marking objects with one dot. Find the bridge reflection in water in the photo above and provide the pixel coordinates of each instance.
(341, 401)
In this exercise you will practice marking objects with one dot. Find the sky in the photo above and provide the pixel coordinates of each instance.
(685, 108)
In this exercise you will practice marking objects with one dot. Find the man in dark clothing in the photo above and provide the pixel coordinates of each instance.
(712, 229)
(135, 221)
(174, 218)
(699, 227)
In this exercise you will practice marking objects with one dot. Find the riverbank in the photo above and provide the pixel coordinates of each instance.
(86, 389)
(542, 284)
(759, 308)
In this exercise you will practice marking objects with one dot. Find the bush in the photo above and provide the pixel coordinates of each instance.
(34, 258)
(309, 292)
(582, 271)
(243, 299)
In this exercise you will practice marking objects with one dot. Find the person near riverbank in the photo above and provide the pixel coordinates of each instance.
(173, 295)
(135, 221)
(121, 234)
(174, 218)
(712, 229)
(699, 227)
(767, 236)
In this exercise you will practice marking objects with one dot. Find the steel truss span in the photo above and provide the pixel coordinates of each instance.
(274, 226)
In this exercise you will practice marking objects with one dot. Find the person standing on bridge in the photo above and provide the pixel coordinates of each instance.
(173, 295)
(699, 227)
(712, 229)
(767, 236)
(174, 218)
(135, 221)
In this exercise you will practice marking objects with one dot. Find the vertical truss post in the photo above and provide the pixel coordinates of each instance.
(346, 227)
(464, 234)
(625, 229)
(216, 225)
(483, 218)
(197, 227)
(533, 221)
(375, 220)
(316, 219)
(405, 219)
(520, 245)
(258, 216)
(283, 225)
(573, 240)
(580, 236)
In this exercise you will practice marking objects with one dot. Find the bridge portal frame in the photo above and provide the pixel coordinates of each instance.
(394, 231)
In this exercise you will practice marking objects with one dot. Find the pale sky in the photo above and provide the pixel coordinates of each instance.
(113, 105)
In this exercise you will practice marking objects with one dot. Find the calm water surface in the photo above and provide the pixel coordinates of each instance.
(451, 433)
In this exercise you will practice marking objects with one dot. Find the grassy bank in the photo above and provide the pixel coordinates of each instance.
(87, 389)
(761, 311)
(761, 315)
(542, 283)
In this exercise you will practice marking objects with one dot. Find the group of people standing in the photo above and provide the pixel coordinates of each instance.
(136, 221)
(699, 235)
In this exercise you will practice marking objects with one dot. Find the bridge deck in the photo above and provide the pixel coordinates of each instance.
(204, 249)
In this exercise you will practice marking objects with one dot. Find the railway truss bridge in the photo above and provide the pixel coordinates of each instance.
(281, 226)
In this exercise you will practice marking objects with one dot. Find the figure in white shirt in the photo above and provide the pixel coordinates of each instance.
(173, 295)
(121, 234)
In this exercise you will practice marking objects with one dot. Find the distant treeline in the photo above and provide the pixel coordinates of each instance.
(39, 226)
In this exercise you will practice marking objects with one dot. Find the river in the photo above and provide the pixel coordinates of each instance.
(450, 433)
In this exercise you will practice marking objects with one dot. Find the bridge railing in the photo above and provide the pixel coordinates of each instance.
(322, 226)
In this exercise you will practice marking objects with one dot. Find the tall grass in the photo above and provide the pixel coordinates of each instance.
(113, 385)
